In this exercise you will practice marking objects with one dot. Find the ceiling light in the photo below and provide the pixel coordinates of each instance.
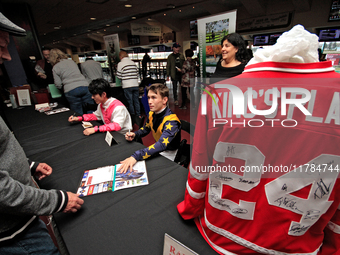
(117, 26)
(149, 19)
(128, 5)
(92, 18)
(179, 10)
(193, 7)
(133, 18)
(107, 25)
(171, 6)
(57, 27)
(164, 14)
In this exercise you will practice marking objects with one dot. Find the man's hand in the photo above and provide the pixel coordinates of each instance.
(129, 136)
(74, 203)
(43, 170)
(73, 119)
(126, 164)
(42, 76)
(89, 131)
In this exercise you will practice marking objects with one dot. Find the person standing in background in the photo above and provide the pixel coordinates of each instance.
(21, 231)
(127, 71)
(145, 61)
(67, 76)
(234, 57)
(43, 69)
(188, 71)
(174, 65)
(91, 69)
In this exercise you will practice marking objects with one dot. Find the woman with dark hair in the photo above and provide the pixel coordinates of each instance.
(234, 57)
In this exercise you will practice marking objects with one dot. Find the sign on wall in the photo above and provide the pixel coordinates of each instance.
(266, 22)
(112, 49)
(146, 30)
(211, 30)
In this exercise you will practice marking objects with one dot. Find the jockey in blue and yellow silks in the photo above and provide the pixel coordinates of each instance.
(165, 127)
(162, 123)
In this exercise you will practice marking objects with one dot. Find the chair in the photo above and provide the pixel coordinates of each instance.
(140, 123)
(183, 155)
(55, 92)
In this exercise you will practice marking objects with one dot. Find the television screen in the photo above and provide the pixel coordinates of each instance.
(193, 29)
(273, 38)
(334, 13)
(133, 39)
(331, 34)
(260, 40)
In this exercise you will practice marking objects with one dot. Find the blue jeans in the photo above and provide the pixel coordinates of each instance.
(132, 97)
(34, 240)
(78, 97)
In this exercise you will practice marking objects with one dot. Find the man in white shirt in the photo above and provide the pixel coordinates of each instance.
(127, 71)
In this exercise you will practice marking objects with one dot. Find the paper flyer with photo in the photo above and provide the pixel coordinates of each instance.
(63, 109)
(106, 178)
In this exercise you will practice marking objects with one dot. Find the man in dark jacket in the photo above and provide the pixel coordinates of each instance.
(173, 68)
(21, 231)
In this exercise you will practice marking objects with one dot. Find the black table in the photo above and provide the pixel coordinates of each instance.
(129, 221)
(39, 132)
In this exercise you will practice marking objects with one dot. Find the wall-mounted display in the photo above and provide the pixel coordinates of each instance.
(211, 30)
(329, 34)
(266, 39)
(334, 13)
(193, 29)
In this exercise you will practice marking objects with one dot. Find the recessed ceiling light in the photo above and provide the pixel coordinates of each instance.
(133, 18)
(149, 19)
(107, 25)
(128, 5)
(104, 30)
(193, 7)
(117, 26)
(179, 10)
(164, 14)
(89, 30)
(92, 18)
(57, 27)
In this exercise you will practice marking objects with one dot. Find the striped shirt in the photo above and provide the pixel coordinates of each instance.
(127, 72)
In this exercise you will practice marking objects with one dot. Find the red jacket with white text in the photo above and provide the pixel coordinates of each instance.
(269, 184)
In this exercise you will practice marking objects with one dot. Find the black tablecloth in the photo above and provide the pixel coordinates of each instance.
(129, 221)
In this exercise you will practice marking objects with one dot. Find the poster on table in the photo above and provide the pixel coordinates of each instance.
(112, 49)
(211, 30)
